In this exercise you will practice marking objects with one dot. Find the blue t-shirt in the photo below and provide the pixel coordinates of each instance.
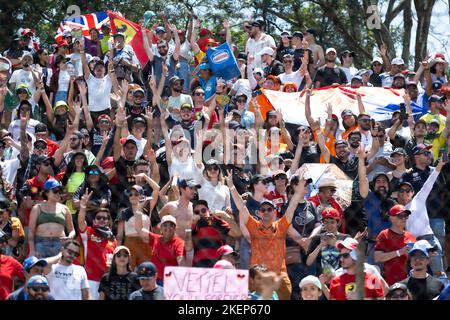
(209, 86)
(375, 221)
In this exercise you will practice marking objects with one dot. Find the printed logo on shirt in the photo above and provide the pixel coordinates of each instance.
(350, 287)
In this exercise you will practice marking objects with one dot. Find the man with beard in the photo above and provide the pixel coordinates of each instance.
(364, 126)
(397, 66)
(177, 98)
(38, 289)
(73, 139)
(417, 176)
(398, 81)
(164, 56)
(67, 280)
(181, 209)
(257, 41)
(377, 203)
(329, 74)
(382, 159)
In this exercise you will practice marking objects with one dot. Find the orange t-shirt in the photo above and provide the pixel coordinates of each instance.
(329, 142)
(268, 245)
(348, 131)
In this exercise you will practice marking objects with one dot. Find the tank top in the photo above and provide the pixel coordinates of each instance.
(186, 170)
(47, 217)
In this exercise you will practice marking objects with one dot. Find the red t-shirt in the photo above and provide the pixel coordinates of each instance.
(165, 253)
(396, 269)
(36, 188)
(346, 283)
(9, 268)
(95, 251)
(108, 163)
(278, 200)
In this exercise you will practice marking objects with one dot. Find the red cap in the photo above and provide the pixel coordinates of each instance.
(440, 55)
(225, 250)
(335, 117)
(398, 209)
(205, 32)
(349, 243)
(27, 31)
(104, 116)
(331, 213)
(63, 43)
(180, 32)
(211, 41)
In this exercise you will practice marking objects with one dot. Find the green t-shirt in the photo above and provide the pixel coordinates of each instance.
(73, 183)
(11, 101)
(104, 44)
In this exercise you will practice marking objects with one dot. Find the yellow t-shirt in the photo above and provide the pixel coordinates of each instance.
(73, 183)
(199, 56)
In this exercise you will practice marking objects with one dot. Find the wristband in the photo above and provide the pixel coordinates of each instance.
(83, 207)
(187, 230)
(397, 253)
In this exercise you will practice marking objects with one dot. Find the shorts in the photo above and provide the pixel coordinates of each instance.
(47, 246)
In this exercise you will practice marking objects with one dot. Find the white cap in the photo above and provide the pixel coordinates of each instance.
(258, 70)
(397, 61)
(330, 49)
(223, 264)
(266, 50)
(349, 243)
(310, 280)
(168, 218)
(377, 59)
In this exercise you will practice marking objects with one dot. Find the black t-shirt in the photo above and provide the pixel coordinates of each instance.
(156, 294)
(350, 167)
(127, 214)
(298, 55)
(327, 76)
(424, 289)
(304, 220)
(118, 287)
(97, 141)
(275, 68)
(310, 154)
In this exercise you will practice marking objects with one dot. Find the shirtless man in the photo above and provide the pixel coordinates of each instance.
(318, 54)
(181, 209)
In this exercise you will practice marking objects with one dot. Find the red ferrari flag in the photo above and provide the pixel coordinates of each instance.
(133, 34)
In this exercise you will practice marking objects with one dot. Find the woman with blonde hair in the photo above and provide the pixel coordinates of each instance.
(213, 189)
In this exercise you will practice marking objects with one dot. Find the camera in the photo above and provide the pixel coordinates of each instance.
(403, 114)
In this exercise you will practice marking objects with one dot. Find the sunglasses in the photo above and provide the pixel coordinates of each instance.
(94, 172)
(402, 216)
(39, 289)
(104, 218)
(240, 101)
(344, 255)
(354, 139)
(57, 191)
(73, 253)
(198, 94)
(404, 190)
(134, 194)
(287, 61)
(365, 120)
(419, 257)
(202, 210)
(104, 121)
(213, 168)
(268, 210)
(120, 255)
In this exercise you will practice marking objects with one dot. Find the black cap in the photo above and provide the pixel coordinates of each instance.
(258, 23)
(129, 141)
(39, 141)
(404, 183)
(341, 141)
(242, 56)
(188, 183)
(312, 31)
(399, 151)
(146, 270)
(297, 34)
(396, 286)
(436, 98)
(200, 202)
(42, 158)
(436, 85)
(347, 52)
(257, 178)
(174, 79)
(138, 120)
(379, 174)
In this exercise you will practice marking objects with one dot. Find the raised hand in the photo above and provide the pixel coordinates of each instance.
(147, 115)
(199, 136)
(329, 110)
(229, 179)
(70, 127)
(121, 116)
(226, 24)
(250, 59)
(105, 138)
(315, 125)
(77, 107)
(383, 49)
(407, 98)
(165, 69)
(85, 198)
(151, 155)
(360, 153)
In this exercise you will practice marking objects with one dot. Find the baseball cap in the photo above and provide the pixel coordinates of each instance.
(188, 183)
(405, 183)
(347, 112)
(40, 141)
(311, 31)
(357, 78)
(139, 90)
(411, 83)
(436, 85)
(242, 56)
(266, 50)
(265, 201)
(117, 249)
(422, 246)
(278, 173)
(420, 148)
(174, 79)
(435, 98)
(226, 250)
(61, 103)
(52, 184)
(200, 202)
(257, 178)
(341, 141)
(347, 52)
(31, 261)
(297, 34)
(138, 188)
(37, 280)
(106, 25)
(398, 209)
(186, 105)
(146, 270)
(160, 29)
(119, 34)
(399, 75)
(168, 218)
(62, 43)
(397, 61)
(377, 59)
(434, 121)
(258, 70)
(396, 286)
(348, 243)
(331, 50)
(380, 174)
(138, 120)
(330, 213)
(399, 151)
(258, 23)
(204, 32)
(103, 117)
(203, 66)
(310, 280)
(129, 141)
(285, 32)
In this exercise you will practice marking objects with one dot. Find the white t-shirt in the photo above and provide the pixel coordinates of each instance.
(23, 77)
(242, 86)
(63, 81)
(75, 58)
(99, 91)
(9, 169)
(254, 47)
(66, 282)
(350, 73)
(14, 128)
(185, 49)
(140, 145)
(294, 77)
(218, 196)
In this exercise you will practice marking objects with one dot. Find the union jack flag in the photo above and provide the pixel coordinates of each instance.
(84, 22)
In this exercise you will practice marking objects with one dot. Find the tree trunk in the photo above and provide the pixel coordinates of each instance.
(407, 26)
(359, 272)
(424, 10)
